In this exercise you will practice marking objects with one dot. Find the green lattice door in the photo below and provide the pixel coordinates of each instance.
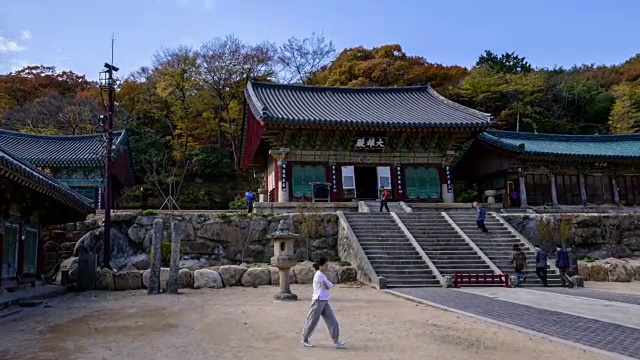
(422, 183)
(30, 251)
(301, 178)
(10, 253)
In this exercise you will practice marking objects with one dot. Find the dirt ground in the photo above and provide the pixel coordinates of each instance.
(245, 323)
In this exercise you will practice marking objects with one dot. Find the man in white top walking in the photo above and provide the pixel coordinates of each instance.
(320, 307)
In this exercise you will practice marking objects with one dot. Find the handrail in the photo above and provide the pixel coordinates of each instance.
(475, 247)
(406, 207)
(417, 246)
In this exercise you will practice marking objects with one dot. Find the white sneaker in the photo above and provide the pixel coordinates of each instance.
(340, 345)
(306, 344)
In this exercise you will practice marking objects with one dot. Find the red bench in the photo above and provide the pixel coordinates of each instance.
(480, 280)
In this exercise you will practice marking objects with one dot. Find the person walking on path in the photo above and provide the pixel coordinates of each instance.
(320, 306)
(562, 263)
(541, 265)
(481, 216)
(383, 198)
(519, 262)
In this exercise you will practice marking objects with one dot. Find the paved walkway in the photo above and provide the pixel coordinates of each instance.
(605, 335)
(595, 294)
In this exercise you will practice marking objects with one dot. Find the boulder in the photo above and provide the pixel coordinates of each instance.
(447, 282)
(51, 246)
(274, 272)
(619, 271)
(332, 274)
(200, 247)
(122, 217)
(256, 277)
(104, 280)
(599, 254)
(583, 270)
(303, 273)
(636, 272)
(140, 261)
(194, 263)
(207, 278)
(127, 280)
(185, 278)
(232, 274)
(71, 264)
(67, 246)
(347, 274)
(598, 271)
(138, 233)
(164, 277)
(577, 281)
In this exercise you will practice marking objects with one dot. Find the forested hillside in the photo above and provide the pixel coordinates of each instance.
(184, 111)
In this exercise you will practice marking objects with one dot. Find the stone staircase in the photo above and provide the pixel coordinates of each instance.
(444, 246)
(497, 245)
(374, 206)
(389, 251)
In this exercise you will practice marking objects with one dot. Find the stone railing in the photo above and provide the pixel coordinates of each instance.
(350, 250)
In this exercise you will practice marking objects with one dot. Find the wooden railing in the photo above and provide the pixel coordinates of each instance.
(480, 280)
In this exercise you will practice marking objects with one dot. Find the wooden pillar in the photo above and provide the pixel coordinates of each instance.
(1, 256)
(283, 186)
(523, 190)
(20, 244)
(583, 189)
(616, 191)
(554, 190)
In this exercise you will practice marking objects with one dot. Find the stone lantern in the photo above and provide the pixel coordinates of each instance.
(284, 258)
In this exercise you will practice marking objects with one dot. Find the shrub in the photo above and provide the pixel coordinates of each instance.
(148, 212)
(238, 203)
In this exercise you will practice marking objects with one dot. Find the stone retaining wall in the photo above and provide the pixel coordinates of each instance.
(209, 239)
(588, 235)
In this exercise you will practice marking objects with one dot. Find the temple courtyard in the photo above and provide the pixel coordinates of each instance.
(245, 323)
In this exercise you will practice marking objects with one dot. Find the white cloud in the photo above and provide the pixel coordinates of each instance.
(25, 35)
(9, 46)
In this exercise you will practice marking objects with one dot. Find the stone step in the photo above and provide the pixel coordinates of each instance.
(385, 245)
(435, 257)
(460, 253)
(375, 258)
(396, 285)
(398, 262)
(465, 270)
(399, 253)
(442, 246)
(436, 240)
(417, 273)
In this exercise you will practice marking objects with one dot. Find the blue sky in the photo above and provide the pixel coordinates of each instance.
(76, 34)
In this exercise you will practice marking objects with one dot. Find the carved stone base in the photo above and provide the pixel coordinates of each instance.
(285, 297)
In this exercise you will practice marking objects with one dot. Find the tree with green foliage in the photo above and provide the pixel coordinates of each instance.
(507, 63)
(625, 115)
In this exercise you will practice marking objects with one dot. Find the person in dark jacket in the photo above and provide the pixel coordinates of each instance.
(541, 265)
(519, 262)
(481, 215)
(384, 197)
(562, 263)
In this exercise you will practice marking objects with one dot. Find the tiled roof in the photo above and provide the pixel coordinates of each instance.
(580, 146)
(397, 107)
(60, 150)
(25, 174)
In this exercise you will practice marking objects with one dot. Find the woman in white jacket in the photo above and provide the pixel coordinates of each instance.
(320, 306)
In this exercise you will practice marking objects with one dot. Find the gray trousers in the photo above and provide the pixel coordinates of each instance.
(321, 308)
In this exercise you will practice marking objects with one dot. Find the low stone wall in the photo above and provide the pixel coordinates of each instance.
(209, 239)
(223, 276)
(611, 270)
(294, 207)
(588, 233)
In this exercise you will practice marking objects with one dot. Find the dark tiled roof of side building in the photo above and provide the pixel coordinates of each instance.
(574, 146)
(60, 150)
(27, 175)
(384, 107)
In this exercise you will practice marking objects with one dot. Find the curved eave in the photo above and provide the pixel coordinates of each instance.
(453, 125)
(541, 155)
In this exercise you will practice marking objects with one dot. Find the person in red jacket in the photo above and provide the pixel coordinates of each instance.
(383, 198)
